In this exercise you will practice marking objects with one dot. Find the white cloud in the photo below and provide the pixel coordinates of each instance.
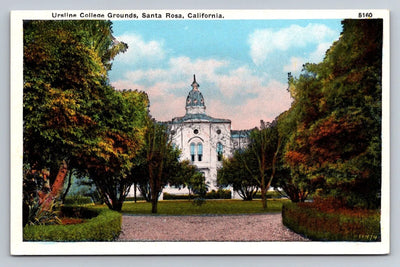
(140, 51)
(295, 65)
(151, 75)
(319, 54)
(205, 68)
(177, 69)
(264, 41)
(272, 99)
(239, 81)
(163, 104)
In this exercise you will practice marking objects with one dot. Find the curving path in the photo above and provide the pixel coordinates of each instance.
(254, 227)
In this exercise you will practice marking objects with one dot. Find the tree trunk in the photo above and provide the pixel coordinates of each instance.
(154, 205)
(134, 192)
(263, 189)
(68, 187)
(117, 205)
(154, 197)
(263, 197)
(57, 186)
(153, 190)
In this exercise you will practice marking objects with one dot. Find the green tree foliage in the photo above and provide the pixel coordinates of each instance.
(233, 174)
(123, 138)
(157, 164)
(336, 116)
(174, 173)
(65, 79)
(258, 160)
(199, 187)
(72, 116)
(291, 182)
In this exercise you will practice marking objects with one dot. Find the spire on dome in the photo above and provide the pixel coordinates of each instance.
(195, 85)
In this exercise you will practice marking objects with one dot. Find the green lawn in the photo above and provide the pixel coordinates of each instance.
(183, 207)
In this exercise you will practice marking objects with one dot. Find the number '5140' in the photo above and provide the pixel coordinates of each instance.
(365, 15)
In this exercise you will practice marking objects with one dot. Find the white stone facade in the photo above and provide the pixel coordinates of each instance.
(198, 140)
(204, 140)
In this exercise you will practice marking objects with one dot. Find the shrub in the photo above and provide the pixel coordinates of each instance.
(35, 187)
(220, 194)
(106, 226)
(167, 196)
(78, 200)
(338, 224)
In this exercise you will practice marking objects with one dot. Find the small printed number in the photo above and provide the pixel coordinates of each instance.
(365, 15)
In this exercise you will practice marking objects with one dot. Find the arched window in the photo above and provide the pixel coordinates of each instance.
(200, 151)
(220, 149)
(192, 151)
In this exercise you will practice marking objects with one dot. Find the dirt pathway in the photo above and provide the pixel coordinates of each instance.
(257, 227)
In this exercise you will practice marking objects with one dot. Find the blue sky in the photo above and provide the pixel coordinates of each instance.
(241, 65)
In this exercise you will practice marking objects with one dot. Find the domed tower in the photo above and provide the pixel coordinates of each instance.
(202, 139)
(195, 100)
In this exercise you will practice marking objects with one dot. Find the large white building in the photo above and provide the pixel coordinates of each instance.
(204, 140)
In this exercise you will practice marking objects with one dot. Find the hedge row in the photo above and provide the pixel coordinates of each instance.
(303, 218)
(220, 194)
(106, 226)
(78, 200)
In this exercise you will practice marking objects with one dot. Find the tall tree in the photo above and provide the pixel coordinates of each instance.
(158, 164)
(337, 104)
(175, 172)
(65, 84)
(261, 160)
(65, 67)
(125, 118)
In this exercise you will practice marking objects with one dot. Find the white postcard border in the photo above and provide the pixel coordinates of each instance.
(18, 247)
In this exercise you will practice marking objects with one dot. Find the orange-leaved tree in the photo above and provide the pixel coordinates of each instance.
(337, 113)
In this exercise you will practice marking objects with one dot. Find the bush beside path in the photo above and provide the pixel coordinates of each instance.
(254, 227)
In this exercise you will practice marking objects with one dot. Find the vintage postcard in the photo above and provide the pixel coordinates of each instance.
(192, 132)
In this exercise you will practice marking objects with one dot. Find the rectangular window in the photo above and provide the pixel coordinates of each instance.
(200, 151)
(192, 153)
(220, 149)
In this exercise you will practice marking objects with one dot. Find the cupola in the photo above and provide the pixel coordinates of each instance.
(195, 100)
